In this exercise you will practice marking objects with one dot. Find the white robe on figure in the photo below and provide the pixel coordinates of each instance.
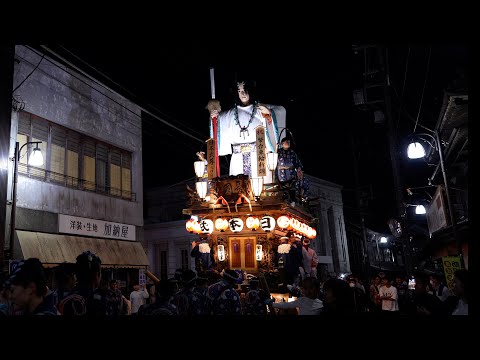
(229, 133)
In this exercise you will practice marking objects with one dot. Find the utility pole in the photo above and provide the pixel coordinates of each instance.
(392, 142)
(6, 88)
(365, 259)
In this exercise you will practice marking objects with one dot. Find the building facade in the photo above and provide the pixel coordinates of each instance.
(88, 193)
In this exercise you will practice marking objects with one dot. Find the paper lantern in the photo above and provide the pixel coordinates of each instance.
(267, 223)
(189, 226)
(252, 223)
(221, 224)
(258, 252)
(206, 226)
(221, 253)
(283, 222)
(235, 224)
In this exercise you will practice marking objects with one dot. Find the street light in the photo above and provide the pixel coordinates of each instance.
(35, 159)
(420, 210)
(415, 150)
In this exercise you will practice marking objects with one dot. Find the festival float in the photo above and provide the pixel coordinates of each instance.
(241, 217)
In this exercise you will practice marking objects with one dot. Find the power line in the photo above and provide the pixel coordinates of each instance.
(83, 95)
(35, 68)
(403, 87)
(93, 88)
(423, 91)
(120, 86)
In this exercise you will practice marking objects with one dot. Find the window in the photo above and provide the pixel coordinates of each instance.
(101, 168)
(115, 172)
(184, 259)
(73, 149)
(74, 160)
(89, 165)
(126, 175)
(160, 263)
(57, 155)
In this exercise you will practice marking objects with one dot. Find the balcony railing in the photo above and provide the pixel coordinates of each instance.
(73, 182)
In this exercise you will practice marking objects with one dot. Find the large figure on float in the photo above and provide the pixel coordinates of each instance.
(235, 130)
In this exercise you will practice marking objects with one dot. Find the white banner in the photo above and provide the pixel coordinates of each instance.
(436, 216)
(96, 228)
(261, 157)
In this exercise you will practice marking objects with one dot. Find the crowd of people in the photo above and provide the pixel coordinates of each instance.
(77, 292)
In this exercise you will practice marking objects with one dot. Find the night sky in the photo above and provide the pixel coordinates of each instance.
(315, 86)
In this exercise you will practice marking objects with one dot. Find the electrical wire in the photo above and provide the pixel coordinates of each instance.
(145, 132)
(120, 86)
(403, 88)
(84, 96)
(424, 84)
(93, 88)
(409, 116)
(35, 68)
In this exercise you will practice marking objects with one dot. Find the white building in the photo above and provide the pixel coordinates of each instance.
(88, 193)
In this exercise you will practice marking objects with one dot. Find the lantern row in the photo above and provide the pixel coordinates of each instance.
(267, 223)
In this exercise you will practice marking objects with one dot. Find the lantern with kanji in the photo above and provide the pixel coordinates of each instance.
(235, 224)
(267, 223)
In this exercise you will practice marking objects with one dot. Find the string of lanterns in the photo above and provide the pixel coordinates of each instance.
(236, 224)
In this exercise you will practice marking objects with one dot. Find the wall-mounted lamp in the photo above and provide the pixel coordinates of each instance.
(35, 159)
(221, 252)
(383, 240)
(257, 187)
(415, 151)
(420, 210)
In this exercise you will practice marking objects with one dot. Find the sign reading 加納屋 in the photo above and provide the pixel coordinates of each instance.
(98, 228)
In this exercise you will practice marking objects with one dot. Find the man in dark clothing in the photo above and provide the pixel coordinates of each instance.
(116, 302)
(423, 303)
(28, 286)
(86, 298)
(289, 260)
(290, 172)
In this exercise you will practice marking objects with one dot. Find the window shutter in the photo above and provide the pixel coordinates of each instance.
(24, 123)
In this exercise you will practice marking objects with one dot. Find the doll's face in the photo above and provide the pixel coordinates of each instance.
(286, 145)
(243, 94)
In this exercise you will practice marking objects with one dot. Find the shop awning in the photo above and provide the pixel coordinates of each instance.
(53, 249)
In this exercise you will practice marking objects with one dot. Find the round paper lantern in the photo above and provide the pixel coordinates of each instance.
(189, 226)
(267, 223)
(196, 227)
(252, 223)
(221, 224)
(235, 224)
(283, 222)
(206, 226)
